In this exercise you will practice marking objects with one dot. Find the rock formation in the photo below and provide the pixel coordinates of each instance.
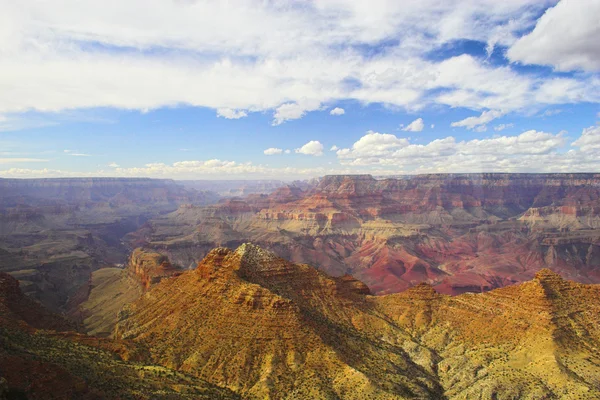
(458, 232)
(42, 357)
(247, 324)
(267, 328)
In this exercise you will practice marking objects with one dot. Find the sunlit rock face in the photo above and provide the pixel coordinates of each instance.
(246, 323)
(288, 328)
(457, 232)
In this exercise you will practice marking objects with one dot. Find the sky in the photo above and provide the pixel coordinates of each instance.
(284, 89)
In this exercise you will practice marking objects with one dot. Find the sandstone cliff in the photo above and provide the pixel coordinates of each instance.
(268, 328)
(458, 232)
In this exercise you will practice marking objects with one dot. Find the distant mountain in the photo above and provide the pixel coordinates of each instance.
(234, 188)
(87, 191)
(458, 232)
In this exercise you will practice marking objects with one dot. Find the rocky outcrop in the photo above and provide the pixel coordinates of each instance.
(289, 331)
(248, 324)
(149, 267)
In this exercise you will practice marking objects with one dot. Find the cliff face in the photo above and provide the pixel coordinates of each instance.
(117, 191)
(150, 268)
(459, 232)
(289, 331)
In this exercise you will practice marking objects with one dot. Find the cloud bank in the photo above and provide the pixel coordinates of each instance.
(291, 59)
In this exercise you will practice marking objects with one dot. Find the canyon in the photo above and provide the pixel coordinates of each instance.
(458, 232)
(55, 232)
(449, 286)
(245, 323)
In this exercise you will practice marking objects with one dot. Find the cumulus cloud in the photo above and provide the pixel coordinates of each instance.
(289, 111)
(114, 165)
(312, 148)
(386, 154)
(333, 148)
(231, 114)
(416, 126)
(478, 123)
(589, 139)
(272, 151)
(371, 148)
(502, 127)
(287, 151)
(320, 61)
(565, 37)
(337, 111)
(504, 153)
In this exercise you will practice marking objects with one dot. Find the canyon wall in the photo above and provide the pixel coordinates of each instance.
(458, 232)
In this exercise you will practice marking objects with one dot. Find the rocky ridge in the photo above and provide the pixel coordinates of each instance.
(267, 328)
(41, 357)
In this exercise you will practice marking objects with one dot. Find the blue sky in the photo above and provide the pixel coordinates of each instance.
(206, 90)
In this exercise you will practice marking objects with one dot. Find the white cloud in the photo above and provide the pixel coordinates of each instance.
(289, 111)
(371, 148)
(333, 148)
(502, 127)
(589, 139)
(565, 37)
(550, 113)
(187, 170)
(287, 151)
(529, 150)
(478, 123)
(114, 165)
(337, 111)
(290, 60)
(313, 148)
(432, 126)
(416, 126)
(385, 154)
(231, 114)
(272, 151)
